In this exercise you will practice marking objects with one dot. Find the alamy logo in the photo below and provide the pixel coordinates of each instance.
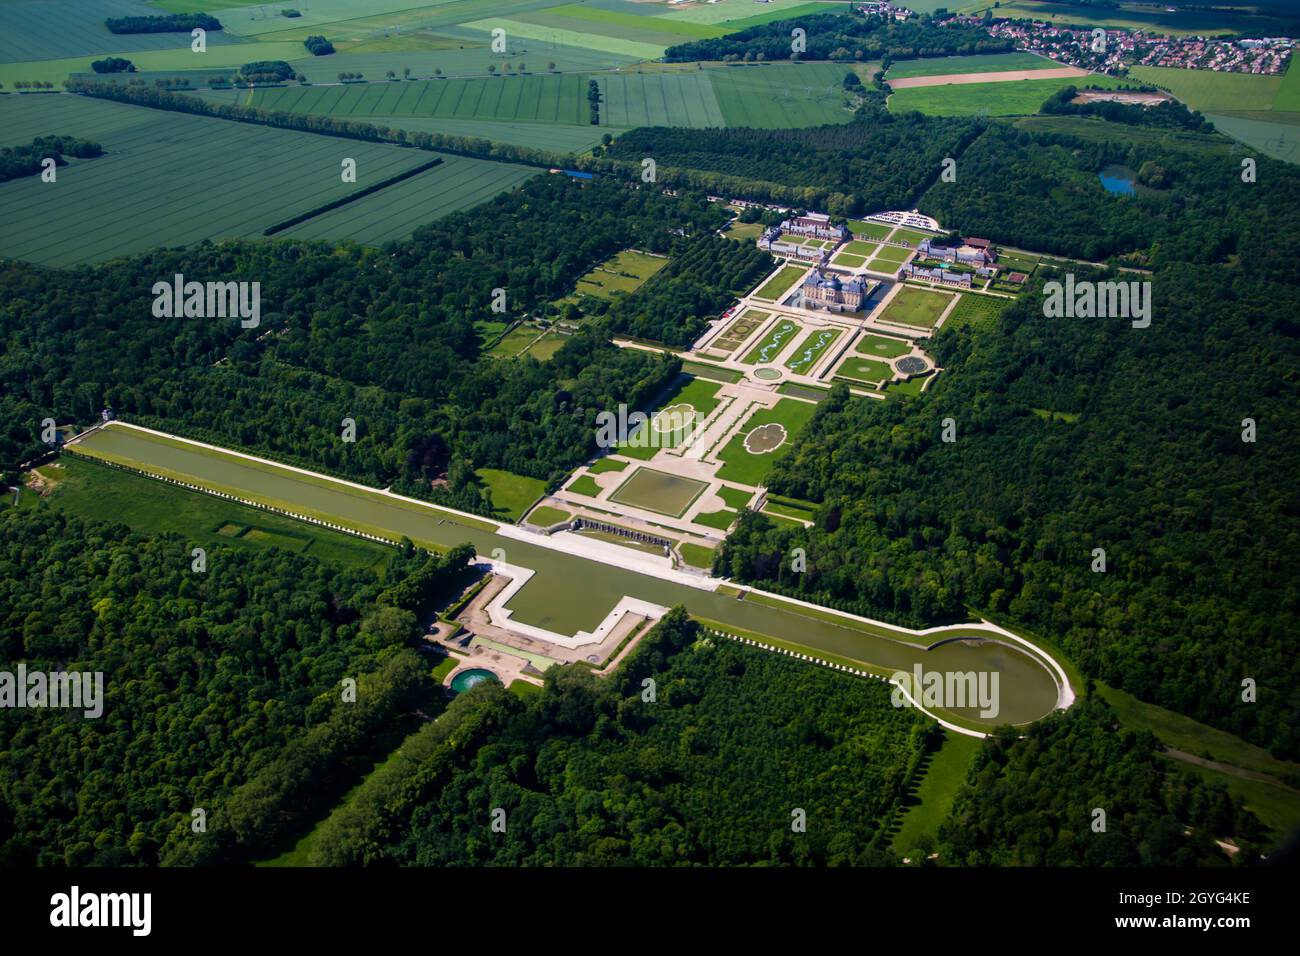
(74, 908)
(950, 690)
(199, 300)
(1098, 300)
(78, 690)
(671, 427)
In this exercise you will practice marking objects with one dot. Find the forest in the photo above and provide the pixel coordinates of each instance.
(851, 36)
(1083, 434)
(590, 772)
(1033, 802)
(702, 280)
(167, 23)
(222, 688)
(876, 162)
(384, 337)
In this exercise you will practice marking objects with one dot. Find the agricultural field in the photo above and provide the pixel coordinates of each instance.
(919, 308)
(766, 351)
(809, 352)
(765, 436)
(535, 98)
(221, 179)
(1210, 91)
(577, 37)
(1010, 98)
(882, 346)
(780, 95)
(621, 274)
(457, 183)
(31, 30)
(658, 99)
(658, 491)
(1278, 136)
(1138, 16)
(776, 288)
(982, 63)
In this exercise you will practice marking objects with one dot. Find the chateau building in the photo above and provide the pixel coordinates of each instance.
(829, 291)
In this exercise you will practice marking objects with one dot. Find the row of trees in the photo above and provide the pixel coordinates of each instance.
(165, 23)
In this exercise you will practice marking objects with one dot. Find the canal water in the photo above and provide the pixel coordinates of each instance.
(569, 593)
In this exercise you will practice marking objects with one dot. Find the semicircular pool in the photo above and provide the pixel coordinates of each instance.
(472, 677)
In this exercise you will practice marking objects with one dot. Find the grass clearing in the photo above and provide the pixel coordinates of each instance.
(864, 371)
(545, 516)
(605, 465)
(621, 274)
(584, 485)
(809, 352)
(99, 493)
(697, 555)
(776, 288)
(934, 795)
(512, 494)
(883, 346)
(919, 308)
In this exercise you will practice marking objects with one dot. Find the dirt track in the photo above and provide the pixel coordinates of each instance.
(1056, 73)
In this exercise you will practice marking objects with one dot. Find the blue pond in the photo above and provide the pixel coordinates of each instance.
(1118, 179)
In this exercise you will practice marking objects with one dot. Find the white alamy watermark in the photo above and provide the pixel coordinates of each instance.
(208, 300)
(949, 690)
(75, 908)
(671, 427)
(1098, 300)
(72, 690)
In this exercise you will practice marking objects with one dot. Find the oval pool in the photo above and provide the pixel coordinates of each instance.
(472, 677)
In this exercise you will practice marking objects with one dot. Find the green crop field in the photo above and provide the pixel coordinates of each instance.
(1278, 136)
(883, 346)
(1136, 16)
(568, 37)
(658, 99)
(535, 98)
(1211, 91)
(395, 212)
(916, 307)
(1009, 98)
(738, 16)
(775, 288)
(94, 491)
(1288, 94)
(780, 95)
(746, 468)
(981, 63)
(808, 352)
(43, 31)
(220, 180)
(770, 347)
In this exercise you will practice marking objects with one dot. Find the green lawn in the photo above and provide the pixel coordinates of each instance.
(775, 288)
(585, 485)
(623, 273)
(100, 493)
(871, 230)
(546, 346)
(722, 520)
(512, 494)
(935, 793)
(745, 231)
(790, 508)
(864, 371)
(695, 393)
(606, 464)
(696, 555)
(745, 468)
(770, 347)
(859, 248)
(848, 260)
(977, 311)
(919, 308)
(545, 516)
(883, 346)
(735, 497)
(515, 341)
